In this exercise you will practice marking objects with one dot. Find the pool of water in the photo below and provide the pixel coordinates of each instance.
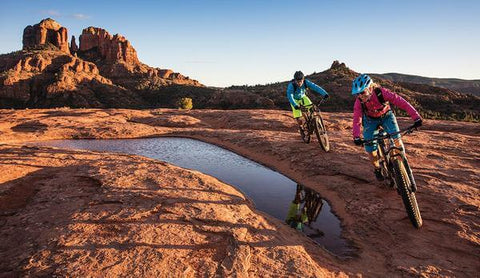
(270, 191)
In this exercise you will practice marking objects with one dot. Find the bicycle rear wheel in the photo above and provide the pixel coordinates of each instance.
(321, 132)
(403, 186)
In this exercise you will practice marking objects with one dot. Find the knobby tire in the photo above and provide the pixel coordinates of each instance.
(408, 197)
(321, 132)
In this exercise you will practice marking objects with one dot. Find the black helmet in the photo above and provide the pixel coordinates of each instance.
(298, 75)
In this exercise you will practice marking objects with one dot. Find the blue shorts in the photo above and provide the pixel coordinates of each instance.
(370, 128)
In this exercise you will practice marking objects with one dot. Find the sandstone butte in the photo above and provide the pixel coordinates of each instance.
(92, 214)
(45, 32)
(103, 71)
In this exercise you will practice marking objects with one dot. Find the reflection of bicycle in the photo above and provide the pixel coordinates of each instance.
(299, 215)
(396, 171)
(313, 204)
(314, 123)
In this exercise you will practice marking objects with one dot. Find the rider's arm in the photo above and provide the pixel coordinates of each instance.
(357, 118)
(314, 87)
(401, 103)
(290, 92)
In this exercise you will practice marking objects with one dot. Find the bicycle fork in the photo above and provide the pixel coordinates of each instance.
(410, 175)
(399, 154)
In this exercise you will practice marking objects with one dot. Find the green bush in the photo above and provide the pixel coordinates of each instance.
(185, 103)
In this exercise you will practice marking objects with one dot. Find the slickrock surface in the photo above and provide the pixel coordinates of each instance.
(81, 213)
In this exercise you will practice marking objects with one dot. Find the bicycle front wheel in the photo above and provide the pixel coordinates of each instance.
(321, 132)
(403, 186)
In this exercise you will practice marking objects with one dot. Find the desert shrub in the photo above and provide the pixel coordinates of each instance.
(185, 103)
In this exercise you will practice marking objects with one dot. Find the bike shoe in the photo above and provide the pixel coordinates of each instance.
(378, 174)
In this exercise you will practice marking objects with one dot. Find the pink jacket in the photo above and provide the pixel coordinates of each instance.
(374, 108)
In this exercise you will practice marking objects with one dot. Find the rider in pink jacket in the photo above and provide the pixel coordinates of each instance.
(371, 110)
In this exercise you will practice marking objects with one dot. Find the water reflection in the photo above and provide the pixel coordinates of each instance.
(304, 209)
(270, 191)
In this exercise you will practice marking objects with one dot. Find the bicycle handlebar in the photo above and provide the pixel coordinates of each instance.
(405, 131)
(322, 100)
(304, 108)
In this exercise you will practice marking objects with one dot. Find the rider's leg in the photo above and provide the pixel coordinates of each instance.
(369, 131)
(297, 115)
(304, 101)
(299, 121)
(374, 158)
(389, 123)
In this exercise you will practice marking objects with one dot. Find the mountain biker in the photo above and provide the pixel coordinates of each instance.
(296, 215)
(296, 90)
(371, 110)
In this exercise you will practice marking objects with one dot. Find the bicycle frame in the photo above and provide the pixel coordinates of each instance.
(388, 152)
(391, 150)
(308, 113)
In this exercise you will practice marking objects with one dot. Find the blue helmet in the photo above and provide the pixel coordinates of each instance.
(361, 83)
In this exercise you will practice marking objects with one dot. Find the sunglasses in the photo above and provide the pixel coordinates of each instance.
(364, 92)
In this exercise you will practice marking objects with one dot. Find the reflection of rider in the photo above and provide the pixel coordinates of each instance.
(297, 215)
(372, 109)
(296, 90)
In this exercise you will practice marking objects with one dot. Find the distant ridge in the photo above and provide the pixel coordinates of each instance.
(432, 101)
(456, 84)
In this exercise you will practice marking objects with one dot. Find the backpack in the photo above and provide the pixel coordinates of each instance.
(382, 101)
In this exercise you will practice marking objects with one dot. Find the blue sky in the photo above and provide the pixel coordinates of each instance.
(222, 43)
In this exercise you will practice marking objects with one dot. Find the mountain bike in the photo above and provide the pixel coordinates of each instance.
(313, 122)
(396, 171)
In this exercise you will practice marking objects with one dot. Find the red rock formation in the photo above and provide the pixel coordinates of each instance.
(48, 31)
(106, 72)
(73, 46)
(117, 60)
(164, 73)
(111, 49)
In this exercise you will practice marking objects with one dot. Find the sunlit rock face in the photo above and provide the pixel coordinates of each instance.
(102, 71)
(111, 49)
(48, 31)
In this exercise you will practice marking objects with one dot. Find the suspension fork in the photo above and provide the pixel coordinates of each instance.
(399, 153)
(410, 175)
